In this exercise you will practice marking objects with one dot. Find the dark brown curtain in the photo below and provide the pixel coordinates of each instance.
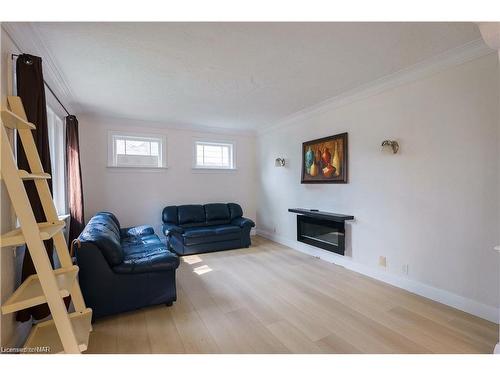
(74, 176)
(30, 87)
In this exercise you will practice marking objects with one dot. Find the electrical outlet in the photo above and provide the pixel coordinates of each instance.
(382, 261)
(274, 229)
(405, 269)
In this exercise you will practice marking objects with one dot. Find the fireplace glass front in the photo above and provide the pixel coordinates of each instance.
(326, 234)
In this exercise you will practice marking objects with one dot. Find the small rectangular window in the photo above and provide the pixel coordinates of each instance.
(214, 155)
(136, 150)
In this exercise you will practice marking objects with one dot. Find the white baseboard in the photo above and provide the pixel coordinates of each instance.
(439, 295)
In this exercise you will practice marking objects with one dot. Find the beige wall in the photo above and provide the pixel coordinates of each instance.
(433, 206)
(138, 196)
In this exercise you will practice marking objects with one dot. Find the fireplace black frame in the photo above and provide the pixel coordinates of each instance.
(326, 219)
(338, 227)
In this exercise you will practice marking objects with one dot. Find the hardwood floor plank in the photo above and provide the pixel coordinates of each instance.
(103, 338)
(221, 286)
(463, 343)
(214, 319)
(284, 302)
(293, 339)
(131, 332)
(357, 313)
(337, 345)
(272, 299)
(253, 334)
(194, 334)
(162, 332)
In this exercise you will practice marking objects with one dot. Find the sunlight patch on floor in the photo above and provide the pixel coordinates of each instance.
(202, 269)
(192, 259)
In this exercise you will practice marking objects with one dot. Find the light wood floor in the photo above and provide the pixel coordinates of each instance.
(272, 299)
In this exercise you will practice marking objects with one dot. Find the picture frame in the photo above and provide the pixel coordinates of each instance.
(325, 160)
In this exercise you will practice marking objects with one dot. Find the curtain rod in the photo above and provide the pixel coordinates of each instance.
(51, 91)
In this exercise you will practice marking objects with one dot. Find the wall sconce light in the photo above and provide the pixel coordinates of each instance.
(392, 144)
(279, 162)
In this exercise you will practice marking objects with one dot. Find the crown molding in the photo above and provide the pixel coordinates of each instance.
(159, 125)
(453, 57)
(25, 36)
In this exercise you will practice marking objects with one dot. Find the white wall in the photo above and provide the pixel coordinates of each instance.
(433, 206)
(11, 332)
(138, 197)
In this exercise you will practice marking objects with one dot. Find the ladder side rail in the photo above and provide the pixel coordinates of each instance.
(43, 190)
(51, 215)
(36, 248)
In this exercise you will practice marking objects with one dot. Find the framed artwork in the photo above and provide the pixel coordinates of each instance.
(324, 160)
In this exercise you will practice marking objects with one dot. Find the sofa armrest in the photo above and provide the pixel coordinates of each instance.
(169, 228)
(243, 222)
(141, 230)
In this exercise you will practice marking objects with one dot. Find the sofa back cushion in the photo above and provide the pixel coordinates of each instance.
(110, 215)
(169, 215)
(217, 212)
(104, 232)
(191, 214)
(235, 211)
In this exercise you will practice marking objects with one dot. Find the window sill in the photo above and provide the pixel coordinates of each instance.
(63, 217)
(213, 170)
(114, 167)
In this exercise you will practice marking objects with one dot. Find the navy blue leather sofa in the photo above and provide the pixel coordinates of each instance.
(123, 269)
(192, 229)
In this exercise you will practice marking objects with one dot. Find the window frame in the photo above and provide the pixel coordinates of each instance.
(162, 150)
(57, 147)
(217, 142)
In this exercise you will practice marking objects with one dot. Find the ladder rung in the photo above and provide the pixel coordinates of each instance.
(30, 292)
(16, 238)
(44, 335)
(13, 121)
(33, 176)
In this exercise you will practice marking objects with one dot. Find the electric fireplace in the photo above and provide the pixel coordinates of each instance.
(321, 229)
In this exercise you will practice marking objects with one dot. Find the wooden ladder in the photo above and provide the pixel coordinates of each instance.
(65, 332)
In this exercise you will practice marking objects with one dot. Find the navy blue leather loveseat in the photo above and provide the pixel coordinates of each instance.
(123, 269)
(192, 229)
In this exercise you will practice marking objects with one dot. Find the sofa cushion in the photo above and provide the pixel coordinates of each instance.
(226, 229)
(192, 213)
(216, 233)
(235, 210)
(216, 222)
(216, 212)
(169, 215)
(138, 244)
(199, 232)
(151, 238)
(138, 231)
(150, 258)
(131, 250)
(195, 225)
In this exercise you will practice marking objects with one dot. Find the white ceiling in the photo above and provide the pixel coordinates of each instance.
(232, 75)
